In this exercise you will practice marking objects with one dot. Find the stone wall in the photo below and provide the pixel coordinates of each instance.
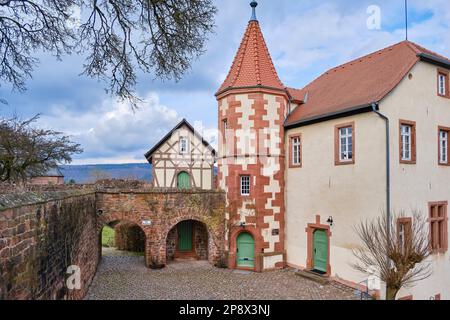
(129, 237)
(41, 235)
(44, 232)
(201, 241)
(158, 212)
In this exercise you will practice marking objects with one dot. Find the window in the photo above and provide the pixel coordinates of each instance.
(407, 142)
(245, 185)
(404, 230)
(224, 136)
(225, 128)
(345, 144)
(184, 145)
(296, 153)
(443, 83)
(444, 151)
(438, 227)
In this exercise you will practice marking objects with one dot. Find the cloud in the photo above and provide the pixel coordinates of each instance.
(304, 37)
(111, 131)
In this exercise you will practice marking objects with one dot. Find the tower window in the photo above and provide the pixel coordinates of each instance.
(245, 185)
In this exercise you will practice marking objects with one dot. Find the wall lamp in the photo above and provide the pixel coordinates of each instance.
(330, 221)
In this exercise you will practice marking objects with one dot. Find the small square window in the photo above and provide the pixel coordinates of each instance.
(245, 185)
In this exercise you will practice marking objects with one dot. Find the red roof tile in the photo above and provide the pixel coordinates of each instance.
(252, 65)
(359, 82)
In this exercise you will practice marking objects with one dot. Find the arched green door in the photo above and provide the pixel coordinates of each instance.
(245, 251)
(185, 236)
(183, 181)
(320, 251)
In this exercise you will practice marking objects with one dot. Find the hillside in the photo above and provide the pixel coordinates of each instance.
(89, 173)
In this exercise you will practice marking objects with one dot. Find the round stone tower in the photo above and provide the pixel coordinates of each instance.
(252, 109)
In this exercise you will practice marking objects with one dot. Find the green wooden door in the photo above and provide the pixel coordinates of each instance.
(184, 181)
(320, 251)
(185, 236)
(245, 251)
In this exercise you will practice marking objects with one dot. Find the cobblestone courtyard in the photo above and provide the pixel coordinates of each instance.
(122, 277)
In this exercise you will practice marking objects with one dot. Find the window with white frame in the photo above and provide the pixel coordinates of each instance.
(346, 144)
(406, 142)
(184, 145)
(442, 84)
(443, 146)
(296, 151)
(245, 185)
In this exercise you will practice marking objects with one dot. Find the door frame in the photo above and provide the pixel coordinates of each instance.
(178, 173)
(310, 229)
(254, 251)
(193, 250)
(232, 256)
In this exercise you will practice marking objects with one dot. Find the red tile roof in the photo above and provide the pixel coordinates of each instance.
(357, 83)
(252, 65)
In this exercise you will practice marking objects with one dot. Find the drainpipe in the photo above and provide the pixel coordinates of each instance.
(388, 162)
(388, 170)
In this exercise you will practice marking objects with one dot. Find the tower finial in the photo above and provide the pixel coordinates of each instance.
(253, 4)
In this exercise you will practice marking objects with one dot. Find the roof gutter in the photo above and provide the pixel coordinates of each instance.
(330, 116)
(375, 109)
(434, 60)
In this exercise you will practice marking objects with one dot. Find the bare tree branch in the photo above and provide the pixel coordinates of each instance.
(118, 37)
(400, 260)
(26, 151)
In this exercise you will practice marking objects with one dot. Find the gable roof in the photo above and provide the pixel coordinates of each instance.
(183, 122)
(359, 83)
(252, 65)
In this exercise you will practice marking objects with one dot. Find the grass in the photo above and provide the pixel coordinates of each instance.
(108, 235)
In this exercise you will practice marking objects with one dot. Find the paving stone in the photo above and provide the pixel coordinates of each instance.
(127, 278)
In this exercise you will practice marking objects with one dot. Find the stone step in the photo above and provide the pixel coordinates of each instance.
(313, 276)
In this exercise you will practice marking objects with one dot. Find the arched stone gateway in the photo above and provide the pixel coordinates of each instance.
(191, 238)
(157, 213)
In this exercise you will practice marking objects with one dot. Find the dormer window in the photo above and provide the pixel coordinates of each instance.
(184, 145)
(443, 84)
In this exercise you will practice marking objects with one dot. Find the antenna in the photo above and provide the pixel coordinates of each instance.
(406, 19)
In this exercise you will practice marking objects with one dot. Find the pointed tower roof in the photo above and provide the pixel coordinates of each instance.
(252, 66)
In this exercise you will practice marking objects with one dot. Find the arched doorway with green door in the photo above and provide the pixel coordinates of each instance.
(183, 181)
(245, 251)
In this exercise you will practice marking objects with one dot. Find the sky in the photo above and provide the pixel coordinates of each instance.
(304, 37)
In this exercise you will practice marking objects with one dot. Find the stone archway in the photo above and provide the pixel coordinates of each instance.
(205, 247)
(129, 235)
(189, 239)
(158, 212)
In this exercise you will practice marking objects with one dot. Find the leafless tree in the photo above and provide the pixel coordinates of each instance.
(118, 38)
(399, 255)
(27, 151)
(98, 175)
